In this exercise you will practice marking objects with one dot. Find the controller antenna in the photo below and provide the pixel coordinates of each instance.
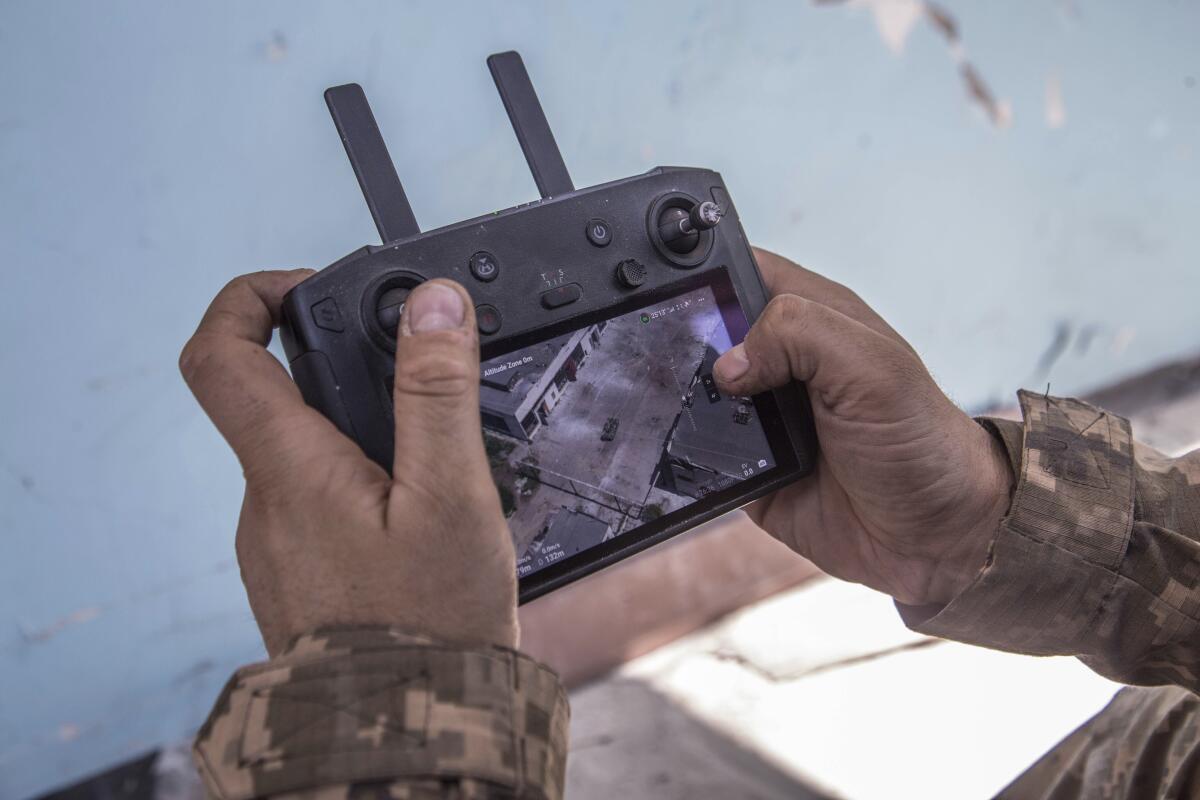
(529, 123)
(372, 165)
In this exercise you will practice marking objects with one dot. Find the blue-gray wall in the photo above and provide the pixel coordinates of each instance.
(150, 151)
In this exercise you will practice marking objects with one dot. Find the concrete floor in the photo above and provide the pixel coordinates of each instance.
(822, 692)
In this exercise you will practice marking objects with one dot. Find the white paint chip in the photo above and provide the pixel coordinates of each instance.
(76, 617)
(1056, 110)
(895, 20)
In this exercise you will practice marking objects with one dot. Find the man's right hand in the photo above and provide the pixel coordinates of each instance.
(327, 539)
(908, 489)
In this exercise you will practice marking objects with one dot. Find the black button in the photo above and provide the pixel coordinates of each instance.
(561, 296)
(599, 232)
(484, 266)
(631, 273)
(488, 318)
(327, 315)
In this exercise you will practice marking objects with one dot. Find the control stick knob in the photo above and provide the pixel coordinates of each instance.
(705, 215)
(680, 229)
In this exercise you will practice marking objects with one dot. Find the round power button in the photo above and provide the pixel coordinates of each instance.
(599, 232)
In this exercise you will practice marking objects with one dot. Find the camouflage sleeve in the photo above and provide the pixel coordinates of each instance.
(1099, 556)
(1145, 743)
(373, 712)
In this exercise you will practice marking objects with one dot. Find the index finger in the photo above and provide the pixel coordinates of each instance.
(783, 276)
(244, 389)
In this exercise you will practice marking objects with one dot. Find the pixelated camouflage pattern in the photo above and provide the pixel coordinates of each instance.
(1142, 745)
(1098, 557)
(414, 789)
(378, 713)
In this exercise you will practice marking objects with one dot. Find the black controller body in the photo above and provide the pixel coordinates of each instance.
(547, 265)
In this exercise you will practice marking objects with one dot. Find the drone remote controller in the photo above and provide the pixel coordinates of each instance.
(600, 314)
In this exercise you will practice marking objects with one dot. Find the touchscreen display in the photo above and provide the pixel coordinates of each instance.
(598, 431)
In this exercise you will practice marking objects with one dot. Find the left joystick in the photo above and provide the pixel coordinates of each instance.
(389, 308)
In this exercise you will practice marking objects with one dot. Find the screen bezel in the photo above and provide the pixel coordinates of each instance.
(773, 424)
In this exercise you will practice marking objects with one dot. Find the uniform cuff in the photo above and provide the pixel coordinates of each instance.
(373, 705)
(1055, 556)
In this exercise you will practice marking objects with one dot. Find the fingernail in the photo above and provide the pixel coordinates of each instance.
(732, 365)
(433, 307)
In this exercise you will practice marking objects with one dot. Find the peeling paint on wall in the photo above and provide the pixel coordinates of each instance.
(48, 632)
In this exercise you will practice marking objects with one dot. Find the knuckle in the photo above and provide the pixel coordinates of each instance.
(435, 372)
(195, 357)
(783, 343)
(785, 307)
(244, 544)
(850, 297)
(187, 360)
(239, 284)
(785, 315)
(275, 489)
(908, 368)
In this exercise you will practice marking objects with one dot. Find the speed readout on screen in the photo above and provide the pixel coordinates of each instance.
(601, 430)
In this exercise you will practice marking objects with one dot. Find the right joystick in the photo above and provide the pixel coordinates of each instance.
(679, 227)
(682, 226)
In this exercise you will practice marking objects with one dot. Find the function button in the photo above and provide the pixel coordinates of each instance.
(327, 315)
(388, 309)
(484, 266)
(631, 273)
(488, 318)
(599, 232)
(562, 295)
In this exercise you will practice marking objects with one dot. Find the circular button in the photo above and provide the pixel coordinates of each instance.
(599, 232)
(484, 266)
(631, 273)
(488, 318)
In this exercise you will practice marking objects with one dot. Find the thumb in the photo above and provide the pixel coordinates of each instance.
(798, 339)
(436, 389)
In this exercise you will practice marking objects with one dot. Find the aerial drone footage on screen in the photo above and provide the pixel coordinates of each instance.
(594, 431)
